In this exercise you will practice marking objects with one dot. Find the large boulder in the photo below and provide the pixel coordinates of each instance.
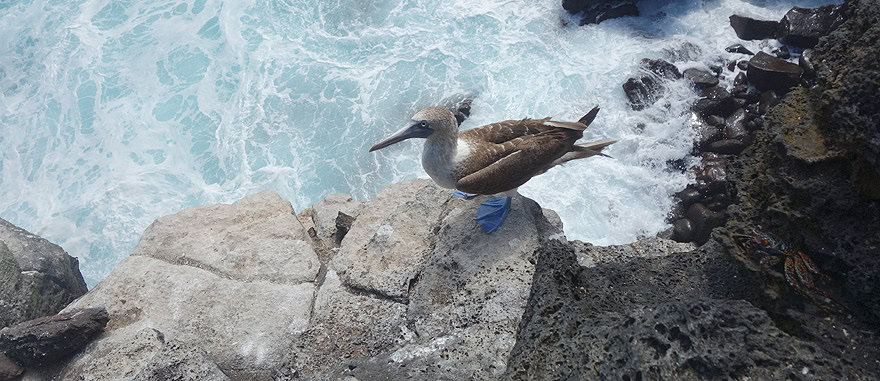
(767, 72)
(802, 27)
(234, 282)
(419, 291)
(748, 28)
(37, 277)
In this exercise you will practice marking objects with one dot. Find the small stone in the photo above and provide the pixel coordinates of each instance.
(716, 69)
(661, 68)
(747, 28)
(703, 220)
(802, 27)
(727, 147)
(738, 48)
(701, 79)
(715, 101)
(688, 196)
(712, 177)
(731, 65)
(715, 120)
(47, 340)
(683, 230)
(743, 65)
(770, 73)
(707, 135)
(782, 53)
(740, 79)
(805, 61)
(735, 127)
(641, 92)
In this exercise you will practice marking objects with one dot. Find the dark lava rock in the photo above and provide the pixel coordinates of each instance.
(716, 69)
(734, 126)
(738, 48)
(683, 230)
(707, 135)
(714, 120)
(805, 61)
(596, 11)
(8, 369)
(715, 101)
(37, 278)
(782, 53)
(768, 99)
(712, 177)
(704, 220)
(748, 28)
(688, 195)
(641, 92)
(743, 65)
(802, 27)
(343, 224)
(731, 65)
(727, 146)
(47, 340)
(740, 80)
(770, 73)
(661, 68)
(701, 79)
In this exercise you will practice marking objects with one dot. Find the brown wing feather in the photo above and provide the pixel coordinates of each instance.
(514, 162)
(507, 130)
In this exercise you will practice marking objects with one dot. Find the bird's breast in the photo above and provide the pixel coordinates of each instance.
(442, 162)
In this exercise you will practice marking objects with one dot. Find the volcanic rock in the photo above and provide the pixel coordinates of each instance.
(37, 277)
(748, 28)
(770, 73)
(701, 79)
(738, 48)
(47, 340)
(802, 27)
(683, 230)
(782, 53)
(715, 101)
(9, 370)
(596, 11)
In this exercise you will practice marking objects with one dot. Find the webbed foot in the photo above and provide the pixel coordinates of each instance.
(492, 213)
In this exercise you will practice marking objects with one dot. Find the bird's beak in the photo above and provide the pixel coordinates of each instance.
(414, 131)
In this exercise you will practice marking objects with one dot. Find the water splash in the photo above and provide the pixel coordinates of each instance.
(117, 112)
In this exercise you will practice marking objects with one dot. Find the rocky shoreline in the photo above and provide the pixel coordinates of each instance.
(406, 286)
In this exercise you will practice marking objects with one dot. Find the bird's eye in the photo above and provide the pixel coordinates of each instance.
(423, 124)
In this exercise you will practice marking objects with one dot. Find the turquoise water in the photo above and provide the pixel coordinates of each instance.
(116, 112)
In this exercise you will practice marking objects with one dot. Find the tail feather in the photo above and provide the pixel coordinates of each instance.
(587, 119)
(594, 148)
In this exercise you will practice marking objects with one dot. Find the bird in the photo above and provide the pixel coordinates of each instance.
(496, 158)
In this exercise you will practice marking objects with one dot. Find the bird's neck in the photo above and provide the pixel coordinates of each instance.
(438, 158)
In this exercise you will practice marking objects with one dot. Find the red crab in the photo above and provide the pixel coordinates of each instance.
(800, 271)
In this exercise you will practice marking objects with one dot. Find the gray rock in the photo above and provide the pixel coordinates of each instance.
(465, 290)
(767, 72)
(748, 28)
(738, 48)
(47, 340)
(734, 126)
(701, 79)
(727, 146)
(596, 11)
(176, 360)
(802, 27)
(234, 280)
(330, 219)
(715, 101)
(683, 230)
(9, 370)
(589, 255)
(37, 278)
(642, 92)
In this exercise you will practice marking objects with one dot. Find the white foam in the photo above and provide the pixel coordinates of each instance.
(116, 112)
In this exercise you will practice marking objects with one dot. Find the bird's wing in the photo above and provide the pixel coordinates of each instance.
(505, 166)
(508, 130)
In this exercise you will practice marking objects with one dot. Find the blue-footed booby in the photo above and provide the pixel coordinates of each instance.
(495, 158)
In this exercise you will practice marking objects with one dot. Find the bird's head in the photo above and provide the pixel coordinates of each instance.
(431, 121)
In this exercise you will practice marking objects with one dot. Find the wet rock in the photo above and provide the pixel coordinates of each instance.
(701, 79)
(661, 68)
(738, 48)
(802, 27)
(740, 80)
(716, 69)
(688, 195)
(683, 230)
(748, 28)
(727, 146)
(731, 66)
(641, 92)
(805, 61)
(704, 220)
(782, 53)
(596, 11)
(734, 126)
(37, 277)
(768, 100)
(712, 177)
(9, 370)
(743, 65)
(714, 120)
(715, 101)
(47, 340)
(770, 73)
(707, 134)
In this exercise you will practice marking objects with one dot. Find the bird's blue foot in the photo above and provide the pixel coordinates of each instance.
(492, 213)
(460, 194)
